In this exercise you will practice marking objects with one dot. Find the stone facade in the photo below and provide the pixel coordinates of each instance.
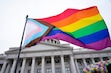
(51, 57)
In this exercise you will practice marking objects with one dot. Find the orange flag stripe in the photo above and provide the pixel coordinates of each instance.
(77, 16)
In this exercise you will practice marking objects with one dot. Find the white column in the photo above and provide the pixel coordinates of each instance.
(43, 65)
(73, 68)
(53, 64)
(23, 65)
(101, 59)
(33, 65)
(13, 66)
(77, 66)
(3, 67)
(8, 68)
(93, 60)
(62, 64)
(84, 61)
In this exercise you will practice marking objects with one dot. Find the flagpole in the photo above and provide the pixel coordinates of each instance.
(17, 60)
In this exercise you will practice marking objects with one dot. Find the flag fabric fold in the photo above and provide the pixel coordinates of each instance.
(82, 27)
(55, 33)
(86, 26)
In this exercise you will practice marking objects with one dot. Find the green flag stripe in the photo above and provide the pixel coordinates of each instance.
(95, 27)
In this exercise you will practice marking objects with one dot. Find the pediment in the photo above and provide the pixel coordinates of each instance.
(43, 46)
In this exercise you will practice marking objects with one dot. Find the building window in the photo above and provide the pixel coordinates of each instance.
(30, 63)
(67, 70)
(96, 59)
(48, 60)
(57, 59)
(66, 59)
(1, 66)
(20, 63)
(81, 70)
(58, 70)
(29, 71)
(38, 70)
(19, 71)
(80, 62)
(39, 63)
(51, 40)
(105, 58)
(88, 61)
(48, 70)
(55, 42)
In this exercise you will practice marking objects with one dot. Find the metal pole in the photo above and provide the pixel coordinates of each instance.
(17, 60)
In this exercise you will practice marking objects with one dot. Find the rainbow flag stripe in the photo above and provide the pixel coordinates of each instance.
(85, 25)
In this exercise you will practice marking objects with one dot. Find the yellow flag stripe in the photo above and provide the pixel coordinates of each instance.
(81, 23)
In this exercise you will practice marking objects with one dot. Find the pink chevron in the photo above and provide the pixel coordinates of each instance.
(34, 31)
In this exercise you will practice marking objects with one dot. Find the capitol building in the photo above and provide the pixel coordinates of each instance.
(51, 56)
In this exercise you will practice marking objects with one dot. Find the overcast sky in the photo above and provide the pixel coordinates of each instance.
(13, 13)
